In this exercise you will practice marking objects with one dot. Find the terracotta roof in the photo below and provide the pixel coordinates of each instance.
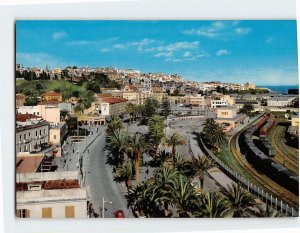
(114, 100)
(28, 164)
(50, 102)
(50, 184)
(25, 117)
(101, 95)
(51, 93)
(20, 96)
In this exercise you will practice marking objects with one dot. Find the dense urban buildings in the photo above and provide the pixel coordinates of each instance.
(81, 134)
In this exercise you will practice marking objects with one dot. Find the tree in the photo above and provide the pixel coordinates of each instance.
(240, 201)
(131, 110)
(114, 124)
(175, 140)
(79, 108)
(182, 196)
(156, 132)
(247, 109)
(213, 132)
(165, 180)
(165, 107)
(72, 123)
(86, 98)
(93, 86)
(64, 114)
(200, 166)
(212, 205)
(32, 98)
(137, 145)
(150, 108)
(124, 173)
(144, 199)
(118, 145)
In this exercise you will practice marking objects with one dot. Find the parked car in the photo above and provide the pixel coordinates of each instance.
(119, 214)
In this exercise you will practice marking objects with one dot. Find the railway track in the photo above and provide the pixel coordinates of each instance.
(291, 162)
(265, 181)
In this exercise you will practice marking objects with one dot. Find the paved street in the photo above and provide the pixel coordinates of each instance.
(99, 180)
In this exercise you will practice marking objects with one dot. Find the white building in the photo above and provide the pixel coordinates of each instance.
(280, 101)
(50, 195)
(219, 103)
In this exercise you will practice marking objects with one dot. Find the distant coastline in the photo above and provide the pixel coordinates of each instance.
(280, 89)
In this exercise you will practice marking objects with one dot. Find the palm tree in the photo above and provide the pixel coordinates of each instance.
(114, 124)
(200, 166)
(164, 179)
(124, 173)
(175, 140)
(131, 110)
(144, 199)
(213, 133)
(156, 131)
(182, 196)
(118, 145)
(137, 145)
(156, 119)
(211, 205)
(240, 201)
(179, 161)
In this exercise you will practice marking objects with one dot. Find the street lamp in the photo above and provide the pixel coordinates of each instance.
(103, 205)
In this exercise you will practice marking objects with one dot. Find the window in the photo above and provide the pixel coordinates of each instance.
(25, 136)
(69, 212)
(35, 133)
(24, 148)
(40, 132)
(37, 113)
(23, 213)
(47, 212)
(54, 136)
(44, 131)
(29, 134)
(20, 136)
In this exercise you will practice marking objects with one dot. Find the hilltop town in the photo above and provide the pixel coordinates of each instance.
(70, 123)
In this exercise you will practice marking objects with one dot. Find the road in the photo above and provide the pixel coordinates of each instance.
(99, 181)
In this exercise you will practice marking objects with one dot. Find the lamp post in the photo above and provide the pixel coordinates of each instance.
(103, 205)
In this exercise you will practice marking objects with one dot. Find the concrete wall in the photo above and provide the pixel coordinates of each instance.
(58, 208)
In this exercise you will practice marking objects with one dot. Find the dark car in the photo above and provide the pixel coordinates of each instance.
(119, 214)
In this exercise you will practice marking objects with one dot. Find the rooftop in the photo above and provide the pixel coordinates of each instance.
(28, 164)
(50, 184)
(51, 93)
(50, 102)
(25, 117)
(114, 100)
(102, 95)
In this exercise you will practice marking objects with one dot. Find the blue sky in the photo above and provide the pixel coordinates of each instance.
(262, 52)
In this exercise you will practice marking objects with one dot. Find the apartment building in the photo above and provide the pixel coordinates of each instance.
(280, 101)
(52, 96)
(50, 195)
(228, 117)
(217, 103)
(112, 106)
(31, 132)
(48, 110)
(57, 133)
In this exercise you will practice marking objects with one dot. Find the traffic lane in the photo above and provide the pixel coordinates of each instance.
(101, 184)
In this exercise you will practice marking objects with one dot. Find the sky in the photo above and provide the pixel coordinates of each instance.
(263, 52)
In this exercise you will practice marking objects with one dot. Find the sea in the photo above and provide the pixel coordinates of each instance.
(281, 89)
